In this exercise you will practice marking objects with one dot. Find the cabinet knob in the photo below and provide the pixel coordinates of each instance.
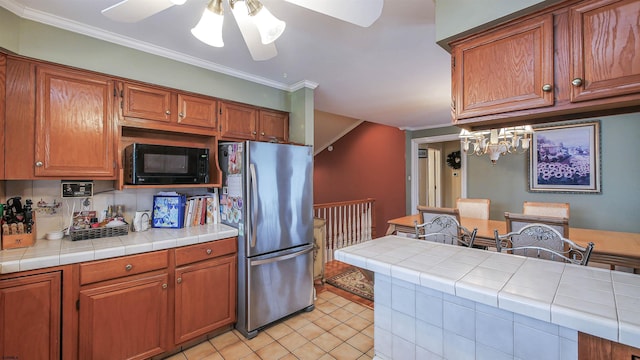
(128, 267)
(179, 280)
(181, 114)
(209, 251)
(168, 112)
(546, 87)
(164, 286)
(39, 163)
(253, 132)
(262, 133)
(576, 82)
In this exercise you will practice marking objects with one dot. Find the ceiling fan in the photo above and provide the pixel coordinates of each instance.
(258, 26)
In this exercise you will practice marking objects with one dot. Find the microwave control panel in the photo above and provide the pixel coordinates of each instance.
(72, 189)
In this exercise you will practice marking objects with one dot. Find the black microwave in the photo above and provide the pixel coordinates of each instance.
(146, 164)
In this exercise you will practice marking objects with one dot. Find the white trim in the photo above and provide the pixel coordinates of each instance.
(87, 30)
(414, 166)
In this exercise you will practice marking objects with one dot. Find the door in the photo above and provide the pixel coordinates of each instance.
(434, 163)
(124, 319)
(30, 317)
(238, 121)
(146, 102)
(197, 111)
(74, 125)
(273, 126)
(286, 276)
(280, 197)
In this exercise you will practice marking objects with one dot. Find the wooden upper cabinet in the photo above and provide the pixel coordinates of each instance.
(507, 69)
(273, 126)
(30, 314)
(238, 121)
(3, 77)
(605, 49)
(146, 102)
(197, 111)
(164, 109)
(74, 135)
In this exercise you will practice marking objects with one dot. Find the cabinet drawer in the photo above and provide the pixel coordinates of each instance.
(122, 266)
(209, 250)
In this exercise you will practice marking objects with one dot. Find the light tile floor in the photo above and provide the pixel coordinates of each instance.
(338, 328)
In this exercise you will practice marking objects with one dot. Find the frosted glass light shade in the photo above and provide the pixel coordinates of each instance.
(209, 28)
(178, 2)
(269, 26)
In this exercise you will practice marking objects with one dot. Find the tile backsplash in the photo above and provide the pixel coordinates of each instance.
(53, 213)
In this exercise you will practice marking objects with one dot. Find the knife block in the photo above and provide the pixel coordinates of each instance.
(20, 240)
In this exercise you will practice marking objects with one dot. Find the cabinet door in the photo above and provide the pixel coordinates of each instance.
(124, 320)
(605, 49)
(30, 317)
(197, 111)
(74, 124)
(3, 79)
(273, 126)
(146, 102)
(238, 121)
(504, 70)
(205, 297)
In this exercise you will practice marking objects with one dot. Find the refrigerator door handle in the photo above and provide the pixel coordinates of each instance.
(280, 258)
(254, 204)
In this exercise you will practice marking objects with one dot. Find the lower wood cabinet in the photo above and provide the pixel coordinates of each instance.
(126, 319)
(30, 317)
(593, 347)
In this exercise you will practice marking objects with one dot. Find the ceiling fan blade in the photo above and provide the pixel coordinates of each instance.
(258, 50)
(359, 12)
(131, 11)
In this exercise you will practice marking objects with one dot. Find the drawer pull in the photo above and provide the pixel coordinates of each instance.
(546, 88)
(168, 112)
(128, 267)
(209, 251)
(179, 280)
(164, 286)
(576, 82)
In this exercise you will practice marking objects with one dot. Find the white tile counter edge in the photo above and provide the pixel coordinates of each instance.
(595, 301)
(47, 253)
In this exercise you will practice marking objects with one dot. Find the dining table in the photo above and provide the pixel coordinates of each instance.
(614, 248)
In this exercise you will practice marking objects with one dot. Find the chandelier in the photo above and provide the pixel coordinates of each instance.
(209, 28)
(496, 142)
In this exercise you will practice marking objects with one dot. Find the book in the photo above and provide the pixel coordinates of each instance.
(168, 211)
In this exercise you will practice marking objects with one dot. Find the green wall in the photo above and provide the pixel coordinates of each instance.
(506, 183)
(40, 41)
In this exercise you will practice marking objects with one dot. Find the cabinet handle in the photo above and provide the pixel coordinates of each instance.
(164, 286)
(39, 163)
(168, 112)
(209, 251)
(576, 82)
(546, 87)
(128, 267)
(179, 280)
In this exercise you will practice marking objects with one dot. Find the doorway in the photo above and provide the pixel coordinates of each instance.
(433, 182)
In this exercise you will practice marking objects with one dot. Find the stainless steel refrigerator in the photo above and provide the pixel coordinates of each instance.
(267, 194)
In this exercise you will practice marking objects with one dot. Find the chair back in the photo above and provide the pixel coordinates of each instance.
(516, 222)
(473, 208)
(445, 229)
(427, 213)
(543, 242)
(546, 209)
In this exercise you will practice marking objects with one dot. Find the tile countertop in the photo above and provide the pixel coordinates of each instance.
(46, 253)
(592, 300)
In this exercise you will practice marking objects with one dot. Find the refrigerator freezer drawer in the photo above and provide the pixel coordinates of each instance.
(279, 285)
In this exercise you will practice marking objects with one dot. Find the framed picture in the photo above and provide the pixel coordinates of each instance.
(168, 211)
(565, 158)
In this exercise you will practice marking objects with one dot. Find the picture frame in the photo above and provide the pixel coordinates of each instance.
(565, 158)
(168, 211)
(422, 153)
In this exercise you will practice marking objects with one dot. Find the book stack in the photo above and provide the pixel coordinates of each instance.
(202, 209)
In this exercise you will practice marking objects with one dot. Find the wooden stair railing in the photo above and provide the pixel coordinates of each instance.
(347, 223)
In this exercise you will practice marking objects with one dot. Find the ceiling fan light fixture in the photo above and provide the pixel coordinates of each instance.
(269, 26)
(178, 2)
(209, 28)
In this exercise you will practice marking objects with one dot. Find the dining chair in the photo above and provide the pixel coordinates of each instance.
(442, 225)
(544, 242)
(546, 209)
(473, 208)
(516, 221)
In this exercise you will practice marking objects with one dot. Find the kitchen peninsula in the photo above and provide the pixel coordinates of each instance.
(135, 296)
(441, 301)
